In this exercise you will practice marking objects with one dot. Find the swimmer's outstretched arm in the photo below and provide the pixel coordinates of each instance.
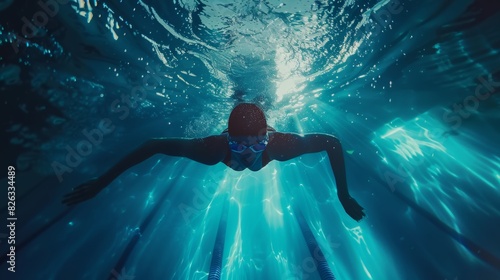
(285, 146)
(209, 150)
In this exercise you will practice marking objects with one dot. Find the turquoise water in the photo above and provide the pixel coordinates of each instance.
(410, 88)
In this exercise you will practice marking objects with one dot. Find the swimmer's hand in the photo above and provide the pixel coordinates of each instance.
(83, 192)
(351, 207)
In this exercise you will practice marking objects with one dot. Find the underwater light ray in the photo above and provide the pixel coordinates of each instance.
(272, 208)
(219, 179)
(142, 253)
(235, 250)
(365, 269)
(281, 257)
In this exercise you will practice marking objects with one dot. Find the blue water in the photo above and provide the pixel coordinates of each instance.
(409, 87)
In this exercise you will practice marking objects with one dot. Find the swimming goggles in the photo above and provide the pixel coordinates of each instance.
(240, 148)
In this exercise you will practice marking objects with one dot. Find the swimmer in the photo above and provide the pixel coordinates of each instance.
(247, 143)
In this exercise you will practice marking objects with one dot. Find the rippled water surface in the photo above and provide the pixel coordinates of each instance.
(409, 87)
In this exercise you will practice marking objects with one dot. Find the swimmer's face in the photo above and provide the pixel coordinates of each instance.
(247, 145)
(248, 149)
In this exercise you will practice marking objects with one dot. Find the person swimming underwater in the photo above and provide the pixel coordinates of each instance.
(247, 143)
